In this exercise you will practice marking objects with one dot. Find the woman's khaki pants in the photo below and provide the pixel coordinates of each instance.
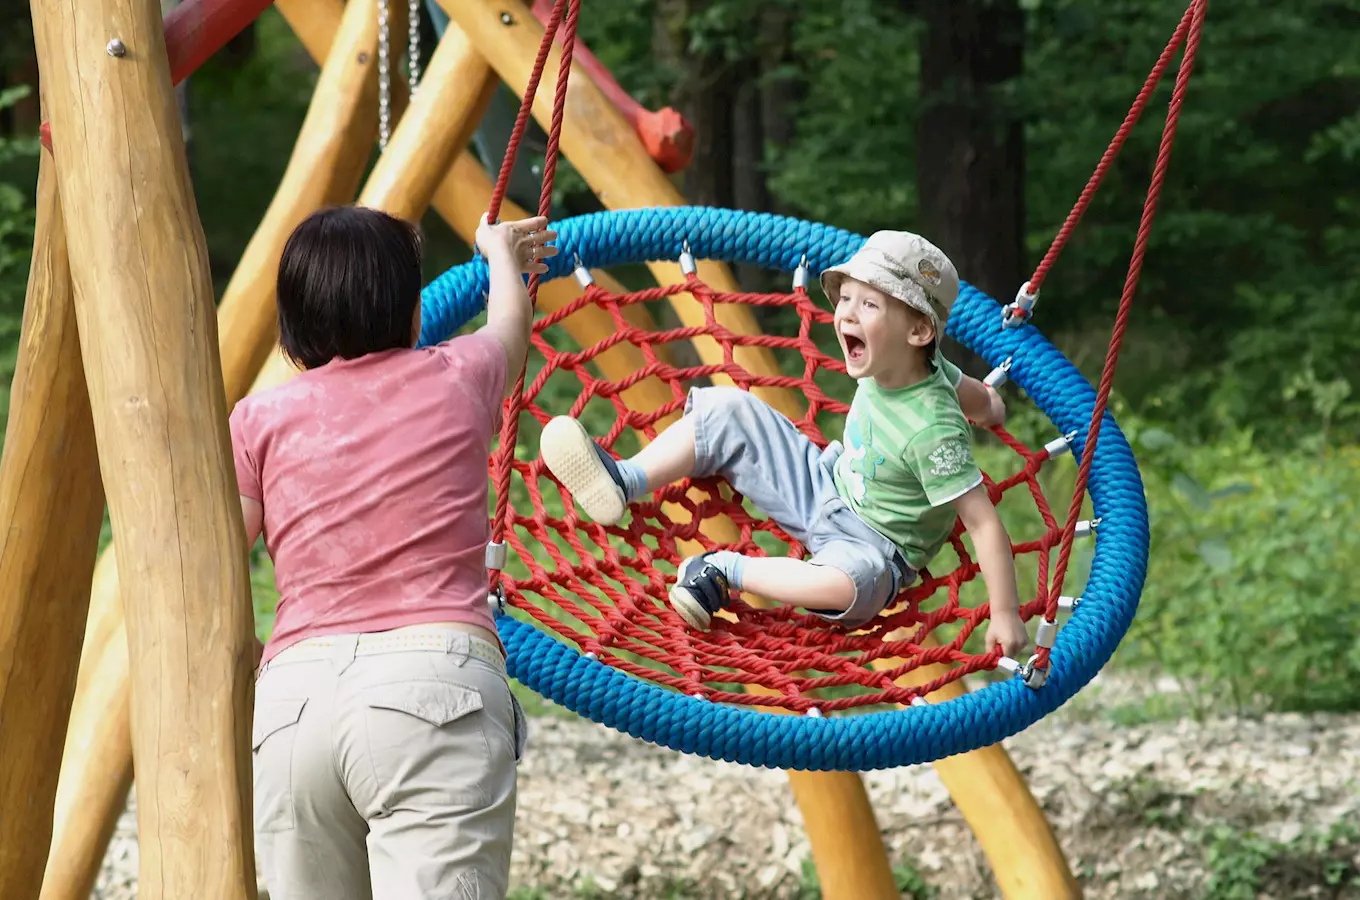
(385, 768)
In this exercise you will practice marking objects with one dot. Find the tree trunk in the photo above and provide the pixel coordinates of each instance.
(748, 170)
(970, 151)
(707, 97)
(781, 88)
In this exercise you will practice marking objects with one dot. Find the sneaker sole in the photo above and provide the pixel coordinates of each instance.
(569, 454)
(690, 609)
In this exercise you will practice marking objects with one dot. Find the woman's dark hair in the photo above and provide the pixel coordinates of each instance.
(348, 285)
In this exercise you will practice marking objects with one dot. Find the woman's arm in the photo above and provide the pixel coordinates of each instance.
(511, 250)
(253, 514)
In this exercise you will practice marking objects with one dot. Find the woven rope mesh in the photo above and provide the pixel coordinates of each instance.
(603, 590)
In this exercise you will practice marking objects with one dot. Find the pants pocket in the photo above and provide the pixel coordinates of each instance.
(521, 727)
(273, 734)
(422, 728)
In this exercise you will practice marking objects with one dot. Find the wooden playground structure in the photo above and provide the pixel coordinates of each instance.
(127, 371)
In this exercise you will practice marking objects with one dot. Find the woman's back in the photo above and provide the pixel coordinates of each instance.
(373, 477)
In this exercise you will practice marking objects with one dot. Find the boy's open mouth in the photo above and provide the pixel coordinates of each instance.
(854, 348)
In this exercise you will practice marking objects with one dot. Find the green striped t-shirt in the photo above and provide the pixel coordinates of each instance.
(908, 455)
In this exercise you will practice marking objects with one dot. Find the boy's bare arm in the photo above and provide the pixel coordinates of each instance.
(992, 545)
(981, 404)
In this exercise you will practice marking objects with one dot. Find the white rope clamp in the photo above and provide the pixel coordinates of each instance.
(581, 273)
(687, 259)
(495, 560)
(997, 377)
(1058, 446)
(1086, 528)
(1033, 676)
(1044, 635)
(1018, 313)
(800, 274)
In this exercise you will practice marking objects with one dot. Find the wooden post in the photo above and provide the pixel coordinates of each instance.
(149, 338)
(436, 127)
(998, 806)
(327, 163)
(606, 151)
(328, 160)
(96, 762)
(51, 505)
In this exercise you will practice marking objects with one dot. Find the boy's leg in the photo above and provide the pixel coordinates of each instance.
(724, 431)
(779, 470)
(703, 582)
(603, 486)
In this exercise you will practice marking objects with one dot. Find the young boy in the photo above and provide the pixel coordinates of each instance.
(873, 513)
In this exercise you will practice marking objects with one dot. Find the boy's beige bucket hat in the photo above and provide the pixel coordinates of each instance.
(905, 266)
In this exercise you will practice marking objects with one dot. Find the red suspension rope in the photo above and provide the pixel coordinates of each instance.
(509, 436)
(1194, 19)
(1111, 152)
(565, 15)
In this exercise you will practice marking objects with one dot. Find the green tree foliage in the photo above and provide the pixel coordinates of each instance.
(16, 247)
(1251, 269)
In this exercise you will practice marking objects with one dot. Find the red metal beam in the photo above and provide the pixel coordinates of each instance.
(667, 135)
(194, 31)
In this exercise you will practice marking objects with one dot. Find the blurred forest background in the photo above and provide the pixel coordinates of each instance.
(977, 122)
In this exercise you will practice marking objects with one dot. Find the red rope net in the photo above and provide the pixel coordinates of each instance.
(604, 589)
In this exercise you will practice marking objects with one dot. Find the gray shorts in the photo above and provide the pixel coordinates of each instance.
(775, 466)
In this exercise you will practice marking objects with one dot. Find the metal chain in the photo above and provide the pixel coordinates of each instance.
(384, 77)
(413, 46)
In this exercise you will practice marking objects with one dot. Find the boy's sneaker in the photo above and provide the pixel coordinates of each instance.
(700, 590)
(584, 468)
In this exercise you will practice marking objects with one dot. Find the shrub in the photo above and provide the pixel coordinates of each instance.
(1248, 592)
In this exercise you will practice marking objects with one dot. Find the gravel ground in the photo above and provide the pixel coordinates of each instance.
(1224, 809)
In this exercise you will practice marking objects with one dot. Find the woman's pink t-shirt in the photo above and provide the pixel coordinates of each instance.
(373, 477)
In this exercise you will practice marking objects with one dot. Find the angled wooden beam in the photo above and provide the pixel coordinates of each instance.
(328, 161)
(96, 761)
(997, 804)
(603, 147)
(144, 306)
(51, 506)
